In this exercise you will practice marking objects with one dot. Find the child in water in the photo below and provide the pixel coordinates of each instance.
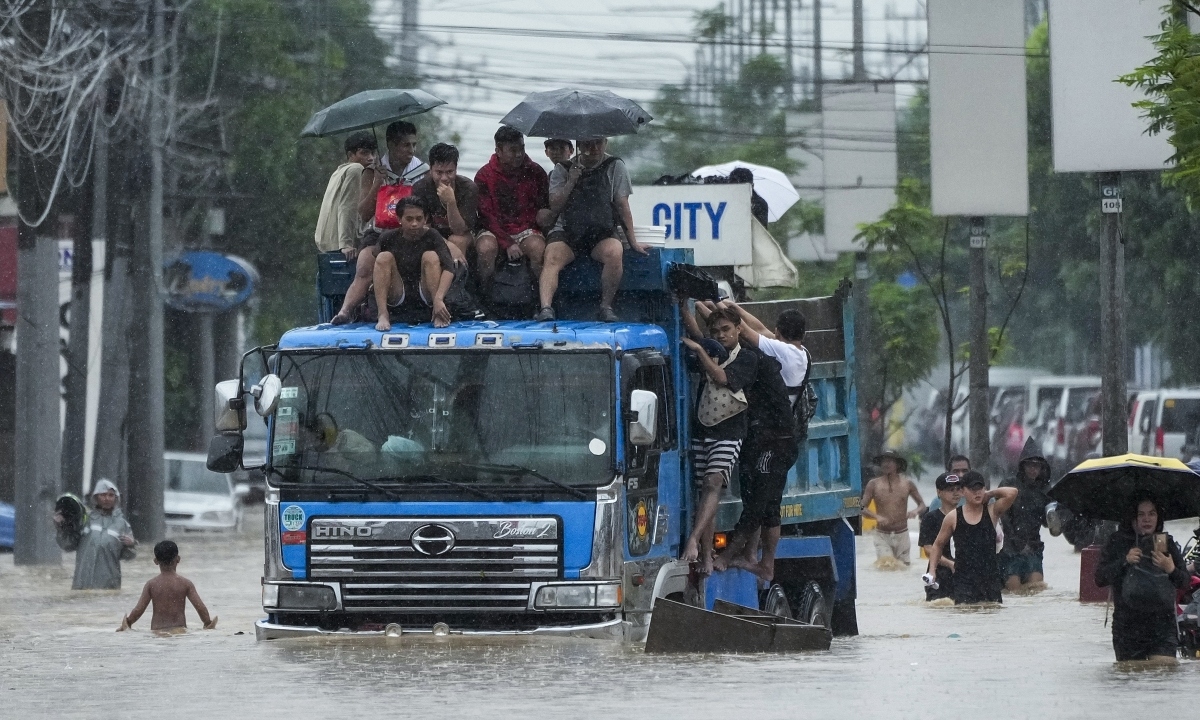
(167, 592)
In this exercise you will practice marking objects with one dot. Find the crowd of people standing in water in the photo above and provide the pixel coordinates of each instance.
(981, 543)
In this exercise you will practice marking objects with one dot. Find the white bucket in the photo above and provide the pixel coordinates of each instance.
(651, 235)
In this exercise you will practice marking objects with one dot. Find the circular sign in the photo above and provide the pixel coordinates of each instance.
(293, 518)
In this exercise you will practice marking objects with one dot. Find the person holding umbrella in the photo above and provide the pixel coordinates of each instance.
(591, 198)
(1144, 566)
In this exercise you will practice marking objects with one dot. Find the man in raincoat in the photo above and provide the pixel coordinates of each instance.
(1021, 557)
(104, 541)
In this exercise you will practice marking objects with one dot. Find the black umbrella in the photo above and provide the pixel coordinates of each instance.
(367, 109)
(573, 114)
(1106, 488)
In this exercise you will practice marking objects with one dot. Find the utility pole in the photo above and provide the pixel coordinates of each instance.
(1112, 317)
(818, 79)
(980, 444)
(860, 62)
(75, 422)
(37, 466)
(36, 437)
(410, 41)
(145, 504)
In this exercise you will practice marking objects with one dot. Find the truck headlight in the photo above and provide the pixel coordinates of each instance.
(305, 597)
(578, 596)
(270, 596)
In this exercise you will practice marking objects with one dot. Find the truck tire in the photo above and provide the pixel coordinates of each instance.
(774, 601)
(814, 607)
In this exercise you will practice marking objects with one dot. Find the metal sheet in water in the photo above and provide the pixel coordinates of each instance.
(680, 628)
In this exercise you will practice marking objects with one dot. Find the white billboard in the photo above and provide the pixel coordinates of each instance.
(712, 220)
(1096, 127)
(858, 138)
(977, 117)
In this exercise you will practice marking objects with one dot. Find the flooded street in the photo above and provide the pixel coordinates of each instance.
(1043, 656)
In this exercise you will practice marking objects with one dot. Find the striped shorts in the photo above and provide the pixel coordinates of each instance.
(714, 457)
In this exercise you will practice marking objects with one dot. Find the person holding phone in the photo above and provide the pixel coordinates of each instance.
(1143, 566)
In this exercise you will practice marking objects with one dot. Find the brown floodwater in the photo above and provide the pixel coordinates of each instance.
(1044, 656)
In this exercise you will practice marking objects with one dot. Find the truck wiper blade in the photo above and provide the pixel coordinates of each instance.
(451, 483)
(343, 473)
(522, 470)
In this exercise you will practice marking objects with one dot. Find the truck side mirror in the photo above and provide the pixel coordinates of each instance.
(266, 394)
(643, 423)
(229, 409)
(225, 452)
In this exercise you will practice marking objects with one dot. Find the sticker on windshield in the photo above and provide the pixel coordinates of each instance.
(289, 393)
(284, 447)
(286, 411)
(597, 446)
(293, 518)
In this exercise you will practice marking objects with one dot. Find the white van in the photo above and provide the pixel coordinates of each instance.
(1177, 416)
(1047, 402)
(1143, 412)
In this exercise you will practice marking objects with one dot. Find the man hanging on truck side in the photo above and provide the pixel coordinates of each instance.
(775, 437)
(719, 423)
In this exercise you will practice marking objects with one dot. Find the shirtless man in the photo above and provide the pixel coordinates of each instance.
(167, 592)
(890, 492)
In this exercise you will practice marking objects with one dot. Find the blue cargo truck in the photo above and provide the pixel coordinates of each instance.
(520, 476)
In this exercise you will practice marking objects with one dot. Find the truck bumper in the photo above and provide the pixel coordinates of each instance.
(608, 630)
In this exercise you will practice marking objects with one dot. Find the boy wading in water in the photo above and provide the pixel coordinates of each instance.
(167, 592)
(973, 527)
(890, 492)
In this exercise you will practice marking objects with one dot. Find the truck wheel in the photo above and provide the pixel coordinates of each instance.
(774, 601)
(814, 606)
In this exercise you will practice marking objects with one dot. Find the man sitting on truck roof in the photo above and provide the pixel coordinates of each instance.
(414, 266)
(720, 421)
(451, 198)
(512, 189)
(592, 196)
(390, 179)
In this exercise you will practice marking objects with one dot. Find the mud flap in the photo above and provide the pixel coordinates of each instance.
(728, 628)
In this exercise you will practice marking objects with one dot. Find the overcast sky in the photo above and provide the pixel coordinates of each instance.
(487, 66)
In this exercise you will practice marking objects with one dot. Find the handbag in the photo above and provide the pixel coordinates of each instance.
(386, 200)
(1147, 588)
(717, 402)
(512, 285)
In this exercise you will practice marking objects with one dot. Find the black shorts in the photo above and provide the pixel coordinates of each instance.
(763, 475)
(581, 244)
(1140, 637)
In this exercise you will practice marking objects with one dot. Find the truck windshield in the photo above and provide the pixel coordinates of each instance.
(395, 417)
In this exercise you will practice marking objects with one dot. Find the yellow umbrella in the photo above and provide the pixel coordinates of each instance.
(1106, 488)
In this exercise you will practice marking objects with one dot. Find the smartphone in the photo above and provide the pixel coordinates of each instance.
(1160, 542)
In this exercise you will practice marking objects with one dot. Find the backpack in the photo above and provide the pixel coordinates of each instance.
(513, 286)
(588, 213)
(805, 406)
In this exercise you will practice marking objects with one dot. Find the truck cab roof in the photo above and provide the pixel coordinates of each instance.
(483, 334)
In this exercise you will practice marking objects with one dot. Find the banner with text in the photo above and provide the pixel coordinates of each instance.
(712, 220)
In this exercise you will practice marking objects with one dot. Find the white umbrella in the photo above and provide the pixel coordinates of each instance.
(771, 185)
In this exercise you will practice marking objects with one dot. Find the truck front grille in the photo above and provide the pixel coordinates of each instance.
(435, 565)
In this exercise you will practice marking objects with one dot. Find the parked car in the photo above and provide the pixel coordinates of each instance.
(1176, 417)
(1143, 411)
(1009, 438)
(1068, 415)
(195, 498)
(8, 525)
(1085, 435)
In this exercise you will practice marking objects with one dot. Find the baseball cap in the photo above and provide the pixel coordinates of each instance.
(972, 480)
(948, 481)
